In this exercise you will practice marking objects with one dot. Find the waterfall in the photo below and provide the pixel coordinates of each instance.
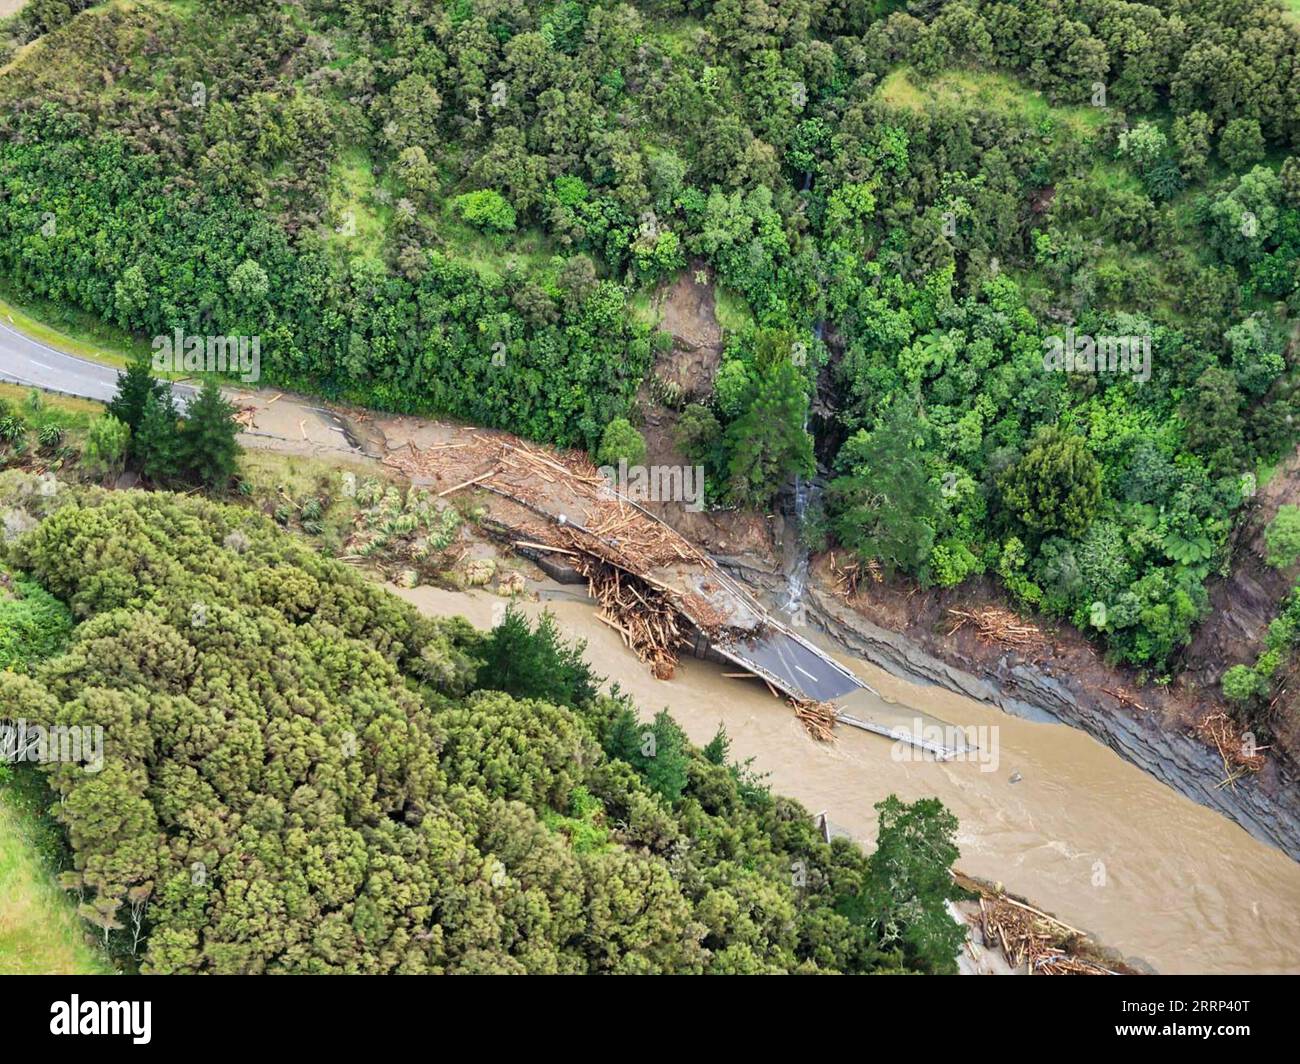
(797, 565)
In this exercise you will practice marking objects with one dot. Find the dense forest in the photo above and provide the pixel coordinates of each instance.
(300, 773)
(460, 207)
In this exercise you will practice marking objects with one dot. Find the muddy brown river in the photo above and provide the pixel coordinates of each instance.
(1083, 833)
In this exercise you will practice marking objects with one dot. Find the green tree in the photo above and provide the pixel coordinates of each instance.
(620, 442)
(1289, 176)
(658, 751)
(105, 450)
(535, 663)
(208, 448)
(909, 883)
(249, 282)
(698, 433)
(1056, 486)
(767, 445)
(1192, 135)
(1241, 143)
(527, 751)
(1242, 684)
(156, 444)
(1256, 345)
(486, 209)
(135, 386)
(1212, 421)
(884, 506)
(1144, 144)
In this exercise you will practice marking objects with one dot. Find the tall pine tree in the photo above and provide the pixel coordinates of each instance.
(157, 443)
(768, 444)
(884, 506)
(134, 388)
(208, 448)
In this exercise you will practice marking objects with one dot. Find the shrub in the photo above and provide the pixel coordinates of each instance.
(50, 438)
(1242, 684)
(33, 625)
(621, 442)
(104, 452)
(486, 209)
(1143, 144)
(1282, 537)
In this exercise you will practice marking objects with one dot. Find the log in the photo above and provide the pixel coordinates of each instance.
(545, 546)
(467, 484)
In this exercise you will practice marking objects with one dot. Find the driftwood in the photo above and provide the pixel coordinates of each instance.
(817, 717)
(996, 625)
(648, 622)
(527, 545)
(1224, 734)
(1125, 698)
(466, 484)
(849, 575)
(1032, 940)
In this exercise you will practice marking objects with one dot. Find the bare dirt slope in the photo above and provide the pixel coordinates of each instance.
(1244, 602)
(687, 311)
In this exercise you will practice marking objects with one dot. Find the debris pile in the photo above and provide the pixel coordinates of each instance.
(1032, 940)
(818, 717)
(996, 625)
(556, 485)
(1239, 753)
(654, 587)
(850, 575)
(644, 617)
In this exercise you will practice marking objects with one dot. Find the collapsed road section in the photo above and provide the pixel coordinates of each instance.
(660, 592)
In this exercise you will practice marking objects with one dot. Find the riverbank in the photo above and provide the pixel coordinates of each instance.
(1085, 835)
(910, 635)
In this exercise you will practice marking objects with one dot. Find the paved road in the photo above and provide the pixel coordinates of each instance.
(27, 361)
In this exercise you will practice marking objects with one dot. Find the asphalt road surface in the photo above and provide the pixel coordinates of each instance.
(27, 361)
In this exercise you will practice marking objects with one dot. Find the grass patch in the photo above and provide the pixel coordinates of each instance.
(61, 410)
(491, 255)
(961, 90)
(310, 495)
(40, 932)
(642, 308)
(360, 220)
(42, 449)
(731, 310)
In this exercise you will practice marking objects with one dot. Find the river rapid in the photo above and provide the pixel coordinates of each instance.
(1082, 833)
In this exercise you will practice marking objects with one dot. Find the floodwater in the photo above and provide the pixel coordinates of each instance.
(1082, 834)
